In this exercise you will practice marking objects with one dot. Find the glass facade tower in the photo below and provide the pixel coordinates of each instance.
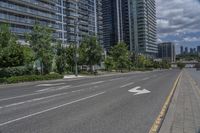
(60, 15)
(131, 21)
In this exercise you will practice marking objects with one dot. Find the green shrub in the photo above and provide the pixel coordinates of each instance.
(181, 65)
(18, 79)
(15, 71)
(2, 80)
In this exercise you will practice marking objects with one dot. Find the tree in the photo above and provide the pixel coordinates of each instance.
(11, 53)
(181, 65)
(61, 58)
(165, 64)
(40, 40)
(29, 55)
(71, 51)
(120, 55)
(90, 52)
(109, 63)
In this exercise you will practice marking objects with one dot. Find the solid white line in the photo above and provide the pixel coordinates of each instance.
(34, 100)
(50, 84)
(50, 109)
(45, 90)
(54, 89)
(4, 99)
(127, 85)
(114, 79)
(145, 78)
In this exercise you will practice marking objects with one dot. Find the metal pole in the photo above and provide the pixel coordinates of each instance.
(77, 39)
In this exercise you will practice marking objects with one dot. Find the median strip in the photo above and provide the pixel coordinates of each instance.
(159, 120)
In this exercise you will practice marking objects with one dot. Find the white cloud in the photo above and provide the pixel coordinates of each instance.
(178, 17)
(191, 39)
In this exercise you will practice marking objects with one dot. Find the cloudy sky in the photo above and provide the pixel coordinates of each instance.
(179, 22)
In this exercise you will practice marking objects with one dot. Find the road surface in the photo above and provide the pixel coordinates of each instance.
(125, 103)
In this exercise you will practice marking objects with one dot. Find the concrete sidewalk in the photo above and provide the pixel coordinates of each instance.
(183, 115)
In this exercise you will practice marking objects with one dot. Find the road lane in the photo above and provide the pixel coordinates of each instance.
(23, 89)
(76, 117)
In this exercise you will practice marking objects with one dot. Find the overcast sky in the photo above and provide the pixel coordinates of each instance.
(179, 21)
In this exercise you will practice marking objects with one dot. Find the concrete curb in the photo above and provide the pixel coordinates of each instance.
(67, 79)
(159, 120)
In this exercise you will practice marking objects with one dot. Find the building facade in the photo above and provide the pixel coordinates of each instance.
(166, 51)
(131, 21)
(65, 17)
(198, 49)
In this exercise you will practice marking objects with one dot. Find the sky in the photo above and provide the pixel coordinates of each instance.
(178, 21)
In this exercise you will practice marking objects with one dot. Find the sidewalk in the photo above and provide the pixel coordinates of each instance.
(183, 115)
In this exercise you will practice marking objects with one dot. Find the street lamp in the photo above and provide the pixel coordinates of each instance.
(77, 39)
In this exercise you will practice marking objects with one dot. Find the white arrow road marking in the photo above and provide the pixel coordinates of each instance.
(139, 92)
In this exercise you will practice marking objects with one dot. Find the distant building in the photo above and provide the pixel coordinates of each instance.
(191, 50)
(194, 50)
(186, 50)
(198, 49)
(166, 51)
(182, 50)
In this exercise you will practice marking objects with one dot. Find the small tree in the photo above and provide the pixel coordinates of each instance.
(61, 58)
(29, 56)
(90, 52)
(40, 40)
(120, 55)
(109, 63)
(181, 65)
(70, 53)
(11, 53)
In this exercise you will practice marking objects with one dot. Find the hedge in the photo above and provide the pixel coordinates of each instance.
(18, 79)
(15, 71)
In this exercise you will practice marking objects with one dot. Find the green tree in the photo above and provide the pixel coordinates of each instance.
(90, 52)
(29, 56)
(109, 63)
(11, 53)
(120, 55)
(40, 40)
(181, 65)
(165, 64)
(61, 58)
(71, 51)
(141, 61)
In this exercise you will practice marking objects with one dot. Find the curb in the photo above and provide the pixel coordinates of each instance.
(67, 79)
(159, 120)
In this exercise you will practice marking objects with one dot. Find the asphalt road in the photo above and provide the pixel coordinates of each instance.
(125, 103)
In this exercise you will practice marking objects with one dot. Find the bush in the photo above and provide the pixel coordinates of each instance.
(2, 80)
(181, 65)
(18, 79)
(15, 71)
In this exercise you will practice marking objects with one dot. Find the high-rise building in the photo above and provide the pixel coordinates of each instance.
(23, 14)
(182, 52)
(131, 21)
(198, 49)
(166, 51)
(86, 14)
(191, 50)
(112, 22)
(65, 17)
(142, 23)
(186, 50)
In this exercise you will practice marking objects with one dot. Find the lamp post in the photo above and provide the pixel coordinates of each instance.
(77, 39)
